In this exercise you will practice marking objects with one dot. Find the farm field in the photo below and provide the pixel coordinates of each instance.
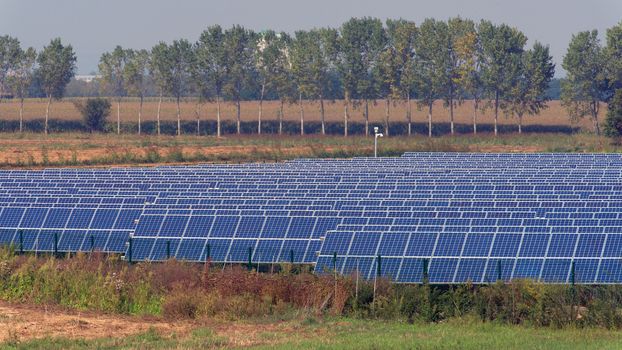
(555, 115)
(26, 327)
(80, 149)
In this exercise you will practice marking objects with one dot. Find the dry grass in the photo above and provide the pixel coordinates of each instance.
(76, 149)
(35, 109)
(24, 322)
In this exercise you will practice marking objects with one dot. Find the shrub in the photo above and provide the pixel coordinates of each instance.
(613, 121)
(94, 113)
(180, 304)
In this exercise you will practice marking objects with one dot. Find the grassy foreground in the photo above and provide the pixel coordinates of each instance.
(466, 333)
(92, 301)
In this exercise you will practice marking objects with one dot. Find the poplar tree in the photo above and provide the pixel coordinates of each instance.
(429, 65)
(273, 69)
(239, 47)
(160, 73)
(329, 43)
(112, 68)
(468, 49)
(135, 77)
(311, 67)
(302, 61)
(458, 32)
(10, 51)
(359, 45)
(501, 52)
(181, 58)
(57, 65)
(21, 78)
(211, 67)
(528, 93)
(586, 84)
(393, 68)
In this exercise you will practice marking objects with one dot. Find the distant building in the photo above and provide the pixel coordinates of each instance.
(87, 78)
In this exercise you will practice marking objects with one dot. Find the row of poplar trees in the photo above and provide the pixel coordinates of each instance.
(362, 62)
(396, 61)
(53, 67)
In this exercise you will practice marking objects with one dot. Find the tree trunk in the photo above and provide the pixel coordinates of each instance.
(451, 110)
(496, 111)
(47, 114)
(237, 107)
(322, 115)
(345, 115)
(430, 118)
(596, 126)
(387, 114)
(281, 118)
(178, 118)
(198, 113)
(263, 89)
(366, 117)
(140, 113)
(409, 114)
(158, 113)
(218, 116)
(595, 107)
(118, 116)
(475, 107)
(302, 115)
(21, 114)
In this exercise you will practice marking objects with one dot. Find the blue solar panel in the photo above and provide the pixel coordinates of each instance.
(484, 216)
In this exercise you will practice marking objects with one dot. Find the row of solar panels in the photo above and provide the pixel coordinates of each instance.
(429, 210)
(541, 252)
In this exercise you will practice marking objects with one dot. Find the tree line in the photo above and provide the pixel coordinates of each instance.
(362, 62)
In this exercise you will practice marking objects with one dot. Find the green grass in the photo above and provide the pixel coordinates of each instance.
(466, 333)
(454, 334)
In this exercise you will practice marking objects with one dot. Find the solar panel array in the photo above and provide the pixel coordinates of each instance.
(466, 216)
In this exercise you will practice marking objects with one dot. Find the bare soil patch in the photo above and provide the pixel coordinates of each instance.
(24, 322)
(21, 323)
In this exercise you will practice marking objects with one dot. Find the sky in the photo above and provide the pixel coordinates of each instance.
(93, 27)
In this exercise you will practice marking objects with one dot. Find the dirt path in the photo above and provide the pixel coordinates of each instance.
(23, 322)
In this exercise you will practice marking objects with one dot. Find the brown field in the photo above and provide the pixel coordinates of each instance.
(35, 109)
(34, 150)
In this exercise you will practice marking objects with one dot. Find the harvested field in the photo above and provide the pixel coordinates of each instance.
(35, 109)
(76, 149)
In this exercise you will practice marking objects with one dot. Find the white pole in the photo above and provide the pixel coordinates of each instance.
(376, 136)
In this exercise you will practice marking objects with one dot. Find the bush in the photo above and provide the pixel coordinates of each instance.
(180, 290)
(613, 122)
(94, 112)
(181, 304)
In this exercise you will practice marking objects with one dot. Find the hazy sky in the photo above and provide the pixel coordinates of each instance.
(93, 27)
